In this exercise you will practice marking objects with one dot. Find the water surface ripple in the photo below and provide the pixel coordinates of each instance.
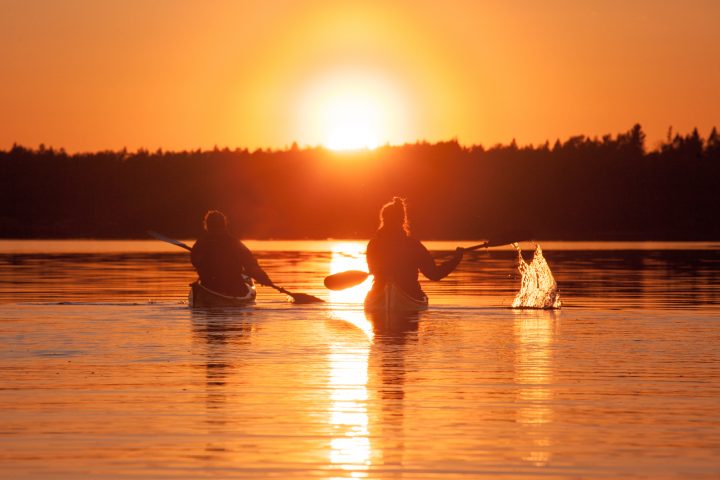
(105, 372)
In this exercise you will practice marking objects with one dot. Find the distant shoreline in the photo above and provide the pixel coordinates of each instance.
(607, 188)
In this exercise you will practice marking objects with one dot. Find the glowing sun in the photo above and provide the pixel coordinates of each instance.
(352, 121)
(351, 111)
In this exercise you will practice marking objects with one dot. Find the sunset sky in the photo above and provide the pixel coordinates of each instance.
(89, 75)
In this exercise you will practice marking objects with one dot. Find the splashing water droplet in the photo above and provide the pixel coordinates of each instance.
(538, 288)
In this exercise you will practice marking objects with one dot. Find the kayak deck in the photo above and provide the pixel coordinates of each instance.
(393, 299)
(202, 297)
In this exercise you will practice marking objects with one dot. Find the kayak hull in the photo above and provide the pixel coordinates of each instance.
(202, 297)
(393, 299)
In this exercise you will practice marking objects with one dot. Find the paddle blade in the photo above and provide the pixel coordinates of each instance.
(343, 280)
(298, 298)
(304, 298)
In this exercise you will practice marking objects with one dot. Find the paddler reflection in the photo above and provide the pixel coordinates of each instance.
(394, 333)
(220, 334)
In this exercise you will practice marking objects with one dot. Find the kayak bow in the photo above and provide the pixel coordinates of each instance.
(202, 297)
(393, 299)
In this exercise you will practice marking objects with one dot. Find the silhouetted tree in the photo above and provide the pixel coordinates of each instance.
(606, 187)
(712, 147)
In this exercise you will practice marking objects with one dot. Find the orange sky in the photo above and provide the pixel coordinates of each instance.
(88, 75)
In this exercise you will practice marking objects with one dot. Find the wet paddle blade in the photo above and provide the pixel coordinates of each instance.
(298, 298)
(304, 298)
(343, 280)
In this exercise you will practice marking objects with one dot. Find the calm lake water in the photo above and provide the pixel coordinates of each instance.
(106, 373)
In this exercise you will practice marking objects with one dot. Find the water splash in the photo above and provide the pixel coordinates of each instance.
(538, 288)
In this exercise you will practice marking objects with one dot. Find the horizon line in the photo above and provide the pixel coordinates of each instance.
(296, 146)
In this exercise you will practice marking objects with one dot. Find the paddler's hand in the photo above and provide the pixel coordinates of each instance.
(459, 252)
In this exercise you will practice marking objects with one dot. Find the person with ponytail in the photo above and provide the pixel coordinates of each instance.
(394, 256)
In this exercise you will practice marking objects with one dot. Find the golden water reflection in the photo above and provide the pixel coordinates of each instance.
(105, 370)
(350, 447)
(534, 332)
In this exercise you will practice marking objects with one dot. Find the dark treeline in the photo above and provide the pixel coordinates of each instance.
(583, 188)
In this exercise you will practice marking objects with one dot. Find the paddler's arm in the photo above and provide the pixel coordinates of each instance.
(435, 272)
(371, 257)
(259, 275)
(252, 267)
(197, 255)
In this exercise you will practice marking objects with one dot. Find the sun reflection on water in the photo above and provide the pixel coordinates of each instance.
(533, 373)
(350, 447)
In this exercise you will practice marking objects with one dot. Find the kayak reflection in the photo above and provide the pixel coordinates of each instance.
(395, 334)
(219, 333)
(393, 325)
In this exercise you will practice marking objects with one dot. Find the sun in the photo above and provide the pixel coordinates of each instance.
(350, 110)
(352, 121)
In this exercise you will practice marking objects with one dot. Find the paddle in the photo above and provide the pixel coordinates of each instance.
(346, 279)
(299, 298)
(350, 278)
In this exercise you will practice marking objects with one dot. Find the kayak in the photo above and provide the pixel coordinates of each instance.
(202, 297)
(393, 299)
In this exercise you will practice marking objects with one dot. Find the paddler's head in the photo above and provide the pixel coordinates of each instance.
(215, 221)
(393, 217)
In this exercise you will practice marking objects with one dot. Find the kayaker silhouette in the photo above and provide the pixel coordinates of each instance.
(222, 261)
(394, 257)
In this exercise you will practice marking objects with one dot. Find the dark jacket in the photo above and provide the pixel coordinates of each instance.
(221, 260)
(397, 258)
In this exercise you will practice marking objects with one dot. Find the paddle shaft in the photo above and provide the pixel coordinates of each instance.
(163, 238)
(347, 279)
(489, 244)
(476, 247)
